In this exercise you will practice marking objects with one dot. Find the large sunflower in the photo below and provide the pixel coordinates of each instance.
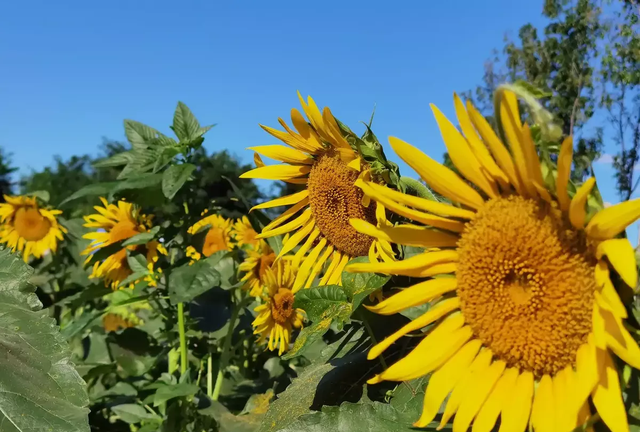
(319, 157)
(115, 223)
(256, 264)
(218, 234)
(28, 228)
(276, 316)
(524, 309)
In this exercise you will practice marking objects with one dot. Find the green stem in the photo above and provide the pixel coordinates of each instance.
(183, 339)
(415, 188)
(210, 376)
(226, 347)
(367, 326)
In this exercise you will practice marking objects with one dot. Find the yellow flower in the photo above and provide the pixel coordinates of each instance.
(276, 316)
(255, 265)
(243, 233)
(218, 236)
(27, 228)
(319, 156)
(526, 314)
(192, 253)
(114, 322)
(115, 223)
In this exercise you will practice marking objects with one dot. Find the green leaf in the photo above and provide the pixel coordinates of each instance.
(138, 134)
(43, 195)
(142, 238)
(225, 265)
(359, 285)
(102, 189)
(41, 390)
(307, 337)
(228, 422)
(142, 181)
(165, 157)
(118, 159)
(185, 124)
(315, 301)
(134, 365)
(132, 413)
(165, 393)
(174, 177)
(189, 281)
(137, 263)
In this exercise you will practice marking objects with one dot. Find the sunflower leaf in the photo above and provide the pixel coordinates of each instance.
(175, 177)
(142, 238)
(185, 124)
(317, 302)
(138, 134)
(359, 285)
(189, 281)
(41, 388)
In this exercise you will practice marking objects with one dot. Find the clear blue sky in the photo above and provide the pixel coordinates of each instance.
(73, 70)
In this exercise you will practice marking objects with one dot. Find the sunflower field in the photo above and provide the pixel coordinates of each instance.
(496, 294)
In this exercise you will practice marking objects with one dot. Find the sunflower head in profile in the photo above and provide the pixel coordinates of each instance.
(318, 155)
(525, 315)
(243, 233)
(114, 223)
(255, 266)
(277, 317)
(218, 237)
(28, 228)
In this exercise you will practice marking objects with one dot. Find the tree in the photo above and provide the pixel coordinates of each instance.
(6, 170)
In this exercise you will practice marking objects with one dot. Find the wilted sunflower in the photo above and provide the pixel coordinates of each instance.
(276, 316)
(28, 228)
(243, 233)
(525, 308)
(256, 264)
(115, 223)
(218, 235)
(320, 157)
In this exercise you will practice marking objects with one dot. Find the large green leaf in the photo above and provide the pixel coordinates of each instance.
(41, 390)
(359, 285)
(316, 301)
(168, 392)
(138, 134)
(189, 281)
(174, 178)
(185, 124)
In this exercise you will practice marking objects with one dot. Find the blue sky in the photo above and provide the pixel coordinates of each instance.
(73, 70)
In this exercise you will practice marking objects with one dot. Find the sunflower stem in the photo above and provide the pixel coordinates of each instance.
(367, 326)
(415, 188)
(226, 347)
(183, 339)
(210, 376)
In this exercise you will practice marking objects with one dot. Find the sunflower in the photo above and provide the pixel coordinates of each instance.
(28, 228)
(258, 260)
(113, 224)
(319, 157)
(243, 233)
(525, 310)
(276, 316)
(218, 236)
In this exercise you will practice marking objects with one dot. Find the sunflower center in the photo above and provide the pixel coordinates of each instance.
(334, 199)
(30, 224)
(526, 284)
(214, 241)
(282, 306)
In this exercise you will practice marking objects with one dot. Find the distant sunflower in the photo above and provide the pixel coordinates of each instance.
(28, 228)
(218, 235)
(276, 316)
(319, 157)
(526, 314)
(243, 233)
(255, 265)
(114, 322)
(115, 223)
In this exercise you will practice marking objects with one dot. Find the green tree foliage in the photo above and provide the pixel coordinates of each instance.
(6, 170)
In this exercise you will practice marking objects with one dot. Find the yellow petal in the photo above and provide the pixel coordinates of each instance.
(577, 211)
(460, 390)
(607, 397)
(479, 391)
(440, 178)
(257, 160)
(421, 203)
(462, 156)
(610, 222)
(619, 340)
(533, 162)
(586, 370)
(477, 146)
(499, 151)
(277, 172)
(408, 266)
(433, 314)
(445, 379)
(543, 412)
(501, 394)
(565, 413)
(305, 268)
(607, 291)
(288, 227)
(515, 414)
(564, 172)
(510, 121)
(283, 201)
(622, 257)
(288, 138)
(415, 215)
(598, 327)
(435, 349)
(408, 235)
(415, 295)
(286, 215)
(283, 154)
(296, 238)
